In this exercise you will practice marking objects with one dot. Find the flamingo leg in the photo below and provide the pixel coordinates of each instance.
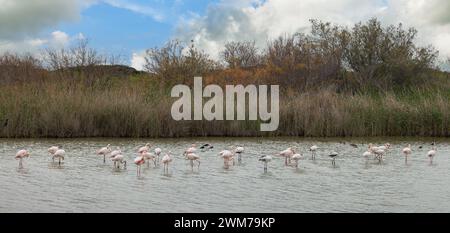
(104, 158)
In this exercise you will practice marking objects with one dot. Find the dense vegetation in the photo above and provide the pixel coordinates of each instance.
(365, 81)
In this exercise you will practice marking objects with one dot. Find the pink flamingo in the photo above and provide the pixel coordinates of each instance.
(119, 159)
(59, 154)
(158, 153)
(52, 151)
(104, 151)
(367, 154)
(287, 154)
(139, 161)
(313, 150)
(21, 154)
(149, 156)
(166, 160)
(377, 151)
(431, 154)
(190, 150)
(145, 148)
(193, 157)
(227, 157)
(407, 151)
(296, 158)
(114, 153)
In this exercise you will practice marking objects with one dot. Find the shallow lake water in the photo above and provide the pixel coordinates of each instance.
(83, 183)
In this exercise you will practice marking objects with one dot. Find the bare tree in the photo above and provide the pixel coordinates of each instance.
(78, 56)
(241, 54)
(15, 67)
(176, 61)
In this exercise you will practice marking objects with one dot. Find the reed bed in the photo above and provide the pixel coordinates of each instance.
(141, 108)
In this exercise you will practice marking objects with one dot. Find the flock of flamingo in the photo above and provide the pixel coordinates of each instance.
(145, 155)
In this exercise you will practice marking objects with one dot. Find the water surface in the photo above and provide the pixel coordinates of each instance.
(84, 184)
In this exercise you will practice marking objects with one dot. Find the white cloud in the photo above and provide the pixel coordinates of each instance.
(262, 20)
(22, 23)
(59, 39)
(137, 8)
(56, 39)
(138, 60)
(23, 18)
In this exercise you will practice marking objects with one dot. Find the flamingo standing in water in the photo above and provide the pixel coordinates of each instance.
(431, 154)
(139, 161)
(145, 148)
(296, 158)
(265, 159)
(239, 150)
(227, 157)
(119, 159)
(190, 150)
(313, 150)
(52, 151)
(59, 154)
(21, 154)
(378, 152)
(114, 153)
(367, 154)
(166, 160)
(193, 157)
(407, 151)
(149, 156)
(287, 154)
(104, 151)
(158, 153)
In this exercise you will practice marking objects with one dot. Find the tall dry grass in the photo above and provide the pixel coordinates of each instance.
(140, 107)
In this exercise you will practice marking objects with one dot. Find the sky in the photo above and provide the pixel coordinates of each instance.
(129, 27)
